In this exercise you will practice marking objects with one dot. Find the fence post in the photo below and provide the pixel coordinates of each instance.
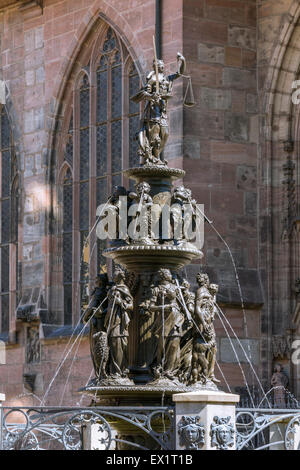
(205, 420)
(2, 399)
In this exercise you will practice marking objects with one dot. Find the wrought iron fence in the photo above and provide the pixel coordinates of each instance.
(268, 399)
(254, 426)
(49, 428)
(118, 428)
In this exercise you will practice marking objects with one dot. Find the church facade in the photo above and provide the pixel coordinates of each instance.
(67, 132)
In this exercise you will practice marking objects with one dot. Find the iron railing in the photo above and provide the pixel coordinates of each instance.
(120, 428)
(253, 428)
(50, 428)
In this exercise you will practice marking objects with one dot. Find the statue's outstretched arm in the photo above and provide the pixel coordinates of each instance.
(180, 67)
(181, 64)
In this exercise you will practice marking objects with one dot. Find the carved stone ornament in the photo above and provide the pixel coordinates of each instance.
(222, 433)
(279, 383)
(33, 346)
(191, 432)
(280, 346)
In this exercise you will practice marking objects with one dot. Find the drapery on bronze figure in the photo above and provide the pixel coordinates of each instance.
(211, 333)
(147, 340)
(181, 198)
(113, 202)
(95, 314)
(187, 298)
(204, 337)
(116, 323)
(167, 325)
(154, 132)
(144, 200)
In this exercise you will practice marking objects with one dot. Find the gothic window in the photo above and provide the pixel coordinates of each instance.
(67, 232)
(99, 144)
(67, 245)
(134, 116)
(84, 184)
(9, 281)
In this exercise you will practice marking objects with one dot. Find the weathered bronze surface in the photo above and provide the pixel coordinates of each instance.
(154, 133)
(95, 314)
(152, 336)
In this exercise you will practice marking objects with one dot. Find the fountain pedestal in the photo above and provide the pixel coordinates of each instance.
(205, 420)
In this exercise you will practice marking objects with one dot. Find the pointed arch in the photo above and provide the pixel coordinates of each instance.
(64, 169)
(96, 20)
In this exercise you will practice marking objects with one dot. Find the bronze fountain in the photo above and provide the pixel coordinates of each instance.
(150, 335)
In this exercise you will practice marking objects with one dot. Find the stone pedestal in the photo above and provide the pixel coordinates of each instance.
(278, 433)
(205, 420)
(93, 438)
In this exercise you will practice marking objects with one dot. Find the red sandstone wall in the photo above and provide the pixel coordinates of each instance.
(220, 149)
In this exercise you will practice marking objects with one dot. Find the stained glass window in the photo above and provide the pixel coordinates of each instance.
(105, 127)
(134, 118)
(69, 144)
(101, 150)
(84, 186)
(67, 232)
(9, 219)
(67, 245)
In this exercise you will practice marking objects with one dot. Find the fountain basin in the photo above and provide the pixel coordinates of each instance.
(149, 258)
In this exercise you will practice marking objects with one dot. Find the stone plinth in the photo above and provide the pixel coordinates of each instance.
(205, 420)
(278, 430)
(95, 439)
